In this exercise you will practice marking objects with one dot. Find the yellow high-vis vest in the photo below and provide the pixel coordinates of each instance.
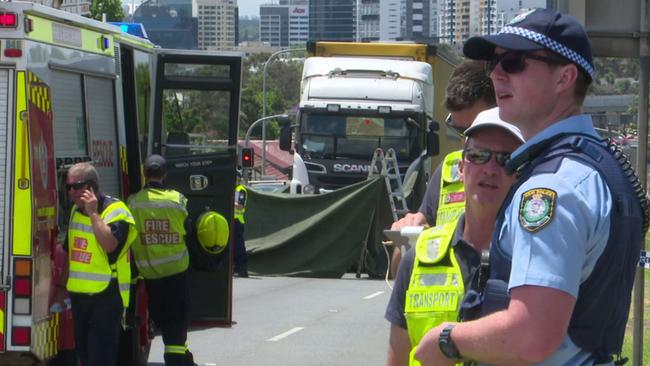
(90, 272)
(436, 286)
(239, 212)
(159, 249)
(451, 202)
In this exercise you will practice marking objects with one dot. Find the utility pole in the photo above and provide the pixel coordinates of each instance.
(266, 66)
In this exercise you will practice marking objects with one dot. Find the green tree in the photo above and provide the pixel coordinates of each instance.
(282, 90)
(112, 9)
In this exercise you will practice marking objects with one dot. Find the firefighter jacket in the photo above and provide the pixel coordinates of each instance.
(241, 197)
(451, 202)
(436, 286)
(159, 250)
(90, 270)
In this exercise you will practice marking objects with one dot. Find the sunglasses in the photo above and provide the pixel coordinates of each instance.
(449, 122)
(482, 156)
(76, 185)
(515, 62)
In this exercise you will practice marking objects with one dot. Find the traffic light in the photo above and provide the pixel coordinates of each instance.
(247, 157)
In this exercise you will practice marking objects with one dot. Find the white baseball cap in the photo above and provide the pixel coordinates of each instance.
(490, 118)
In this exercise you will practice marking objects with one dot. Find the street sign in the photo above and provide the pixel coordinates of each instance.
(613, 27)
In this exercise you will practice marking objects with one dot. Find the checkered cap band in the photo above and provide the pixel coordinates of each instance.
(552, 45)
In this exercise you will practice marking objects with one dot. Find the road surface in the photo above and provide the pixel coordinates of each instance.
(296, 321)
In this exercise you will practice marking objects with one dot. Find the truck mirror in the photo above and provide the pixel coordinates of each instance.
(285, 138)
(433, 140)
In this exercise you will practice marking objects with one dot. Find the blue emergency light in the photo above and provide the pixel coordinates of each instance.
(135, 29)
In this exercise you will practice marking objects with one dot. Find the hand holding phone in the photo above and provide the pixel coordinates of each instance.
(89, 199)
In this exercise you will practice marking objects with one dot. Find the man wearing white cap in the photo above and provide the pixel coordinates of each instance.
(452, 250)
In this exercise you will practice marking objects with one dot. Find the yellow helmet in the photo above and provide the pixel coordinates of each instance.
(213, 232)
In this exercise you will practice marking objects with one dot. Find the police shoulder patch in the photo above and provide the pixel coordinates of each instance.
(536, 208)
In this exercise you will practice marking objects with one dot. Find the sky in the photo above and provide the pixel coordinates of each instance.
(251, 8)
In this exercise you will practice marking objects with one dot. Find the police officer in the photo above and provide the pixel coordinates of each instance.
(98, 274)
(161, 255)
(567, 240)
(240, 256)
(417, 306)
(469, 92)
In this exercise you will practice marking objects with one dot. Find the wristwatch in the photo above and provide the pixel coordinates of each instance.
(447, 345)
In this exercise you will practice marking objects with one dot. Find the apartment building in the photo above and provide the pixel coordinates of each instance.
(285, 24)
(333, 20)
(217, 24)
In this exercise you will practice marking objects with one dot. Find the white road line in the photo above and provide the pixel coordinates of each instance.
(373, 295)
(285, 334)
(209, 364)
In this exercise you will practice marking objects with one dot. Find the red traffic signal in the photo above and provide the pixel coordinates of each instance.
(247, 157)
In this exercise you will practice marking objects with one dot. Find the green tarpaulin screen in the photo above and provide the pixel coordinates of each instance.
(319, 235)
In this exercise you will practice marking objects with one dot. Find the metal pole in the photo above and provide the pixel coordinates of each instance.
(248, 137)
(266, 65)
(642, 167)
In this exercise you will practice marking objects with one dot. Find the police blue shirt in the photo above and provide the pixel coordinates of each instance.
(558, 247)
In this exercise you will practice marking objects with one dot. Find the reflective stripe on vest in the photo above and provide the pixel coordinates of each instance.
(451, 201)
(240, 211)
(159, 249)
(435, 289)
(90, 272)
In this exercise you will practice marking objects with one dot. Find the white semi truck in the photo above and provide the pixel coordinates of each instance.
(356, 97)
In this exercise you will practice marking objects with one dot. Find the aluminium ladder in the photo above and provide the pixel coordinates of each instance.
(389, 169)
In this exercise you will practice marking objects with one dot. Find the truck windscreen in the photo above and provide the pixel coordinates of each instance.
(330, 135)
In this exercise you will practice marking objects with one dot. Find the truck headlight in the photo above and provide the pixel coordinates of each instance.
(309, 189)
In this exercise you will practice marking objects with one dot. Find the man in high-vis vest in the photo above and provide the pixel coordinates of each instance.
(433, 276)
(160, 253)
(469, 92)
(98, 270)
(240, 256)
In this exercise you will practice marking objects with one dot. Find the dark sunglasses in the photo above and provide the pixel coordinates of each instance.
(77, 185)
(482, 156)
(515, 62)
(450, 124)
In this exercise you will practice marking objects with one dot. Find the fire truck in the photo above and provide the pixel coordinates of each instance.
(74, 89)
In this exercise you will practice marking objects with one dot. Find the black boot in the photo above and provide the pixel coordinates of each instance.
(243, 270)
(189, 357)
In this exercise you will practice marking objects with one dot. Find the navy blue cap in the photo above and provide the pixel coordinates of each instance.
(155, 163)
(538, 29)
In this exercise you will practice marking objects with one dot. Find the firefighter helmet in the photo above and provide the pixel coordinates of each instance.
(212, 232)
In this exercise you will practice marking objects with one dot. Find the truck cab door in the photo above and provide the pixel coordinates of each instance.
(195, 122)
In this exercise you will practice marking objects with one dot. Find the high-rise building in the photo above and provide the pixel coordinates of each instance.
(217, 23)
(168, 23)
(390, 20)
(274, 25)
(285, 24)
(368, 20)
(434, 20)
(461, 19)
(298, 22)
(418, 20)
(332, 20)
